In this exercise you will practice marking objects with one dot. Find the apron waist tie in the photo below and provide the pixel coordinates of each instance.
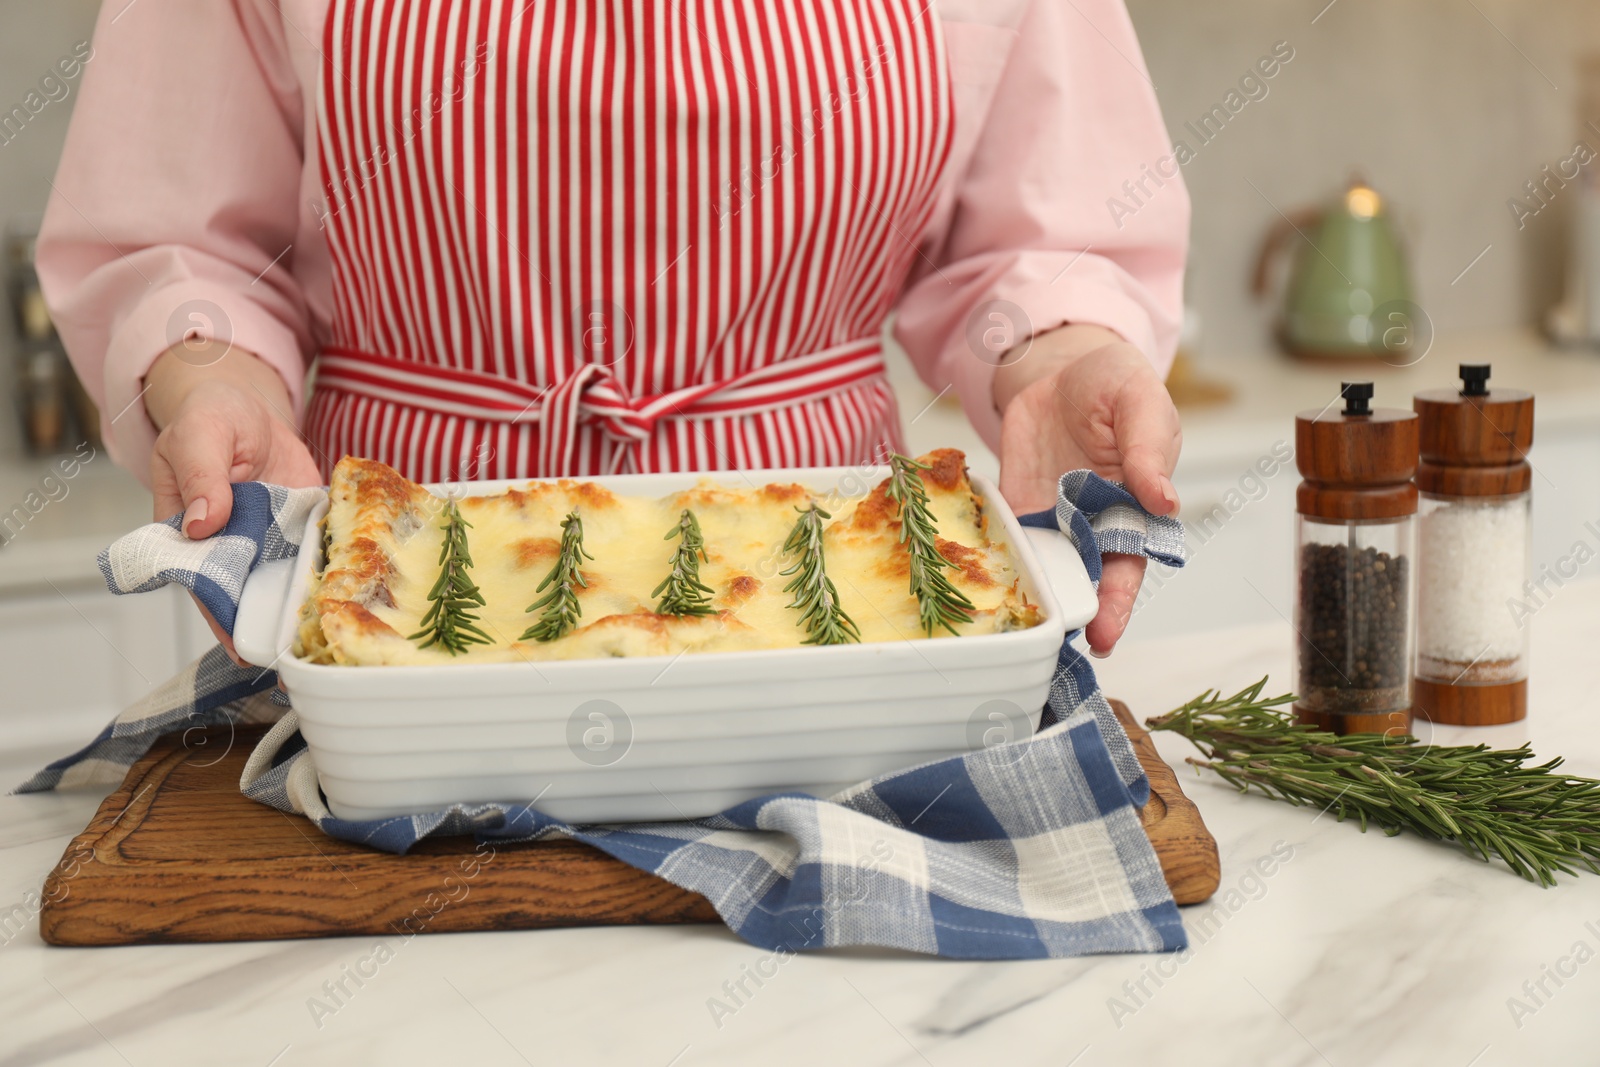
(593, 394)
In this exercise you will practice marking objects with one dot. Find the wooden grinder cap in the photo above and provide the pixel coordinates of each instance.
(1474, 441)
(1357, 461)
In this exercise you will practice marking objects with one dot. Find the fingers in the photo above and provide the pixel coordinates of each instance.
(1149, 438)
(189, 472)
(218, 632)
(168, 501)
(1120, 579)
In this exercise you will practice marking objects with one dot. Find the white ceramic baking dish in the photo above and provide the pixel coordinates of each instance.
(624, 740)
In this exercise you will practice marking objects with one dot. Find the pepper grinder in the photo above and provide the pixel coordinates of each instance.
(1474, 549)
(1354, 530)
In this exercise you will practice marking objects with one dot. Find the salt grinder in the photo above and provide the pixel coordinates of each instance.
(1474, 534)
(1353, 575)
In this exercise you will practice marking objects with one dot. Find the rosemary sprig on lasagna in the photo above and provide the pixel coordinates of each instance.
(560, 605)
(681, 591)
(814, 593)
(938, 602)
(450, 622)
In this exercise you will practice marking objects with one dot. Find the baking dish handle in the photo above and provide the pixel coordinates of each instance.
(258, 625)
(1064, 570)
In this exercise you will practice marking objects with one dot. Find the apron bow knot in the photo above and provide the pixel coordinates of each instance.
(593, 394)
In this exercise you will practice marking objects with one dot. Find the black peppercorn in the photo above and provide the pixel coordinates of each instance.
(1352, 626)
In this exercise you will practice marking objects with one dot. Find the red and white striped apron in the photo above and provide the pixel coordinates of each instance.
(575, 237)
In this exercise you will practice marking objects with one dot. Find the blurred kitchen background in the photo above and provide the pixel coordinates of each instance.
(1447, 109)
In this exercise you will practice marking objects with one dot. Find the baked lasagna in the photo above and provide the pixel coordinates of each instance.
(385, 538)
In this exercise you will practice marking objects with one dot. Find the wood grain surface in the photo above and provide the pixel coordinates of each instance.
(1356, 467)
(1474, 431)
(1186, 849)
(1469, 705)
(1474, 445)
(177, 853)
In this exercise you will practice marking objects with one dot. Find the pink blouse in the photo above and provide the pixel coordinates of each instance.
(189, 194)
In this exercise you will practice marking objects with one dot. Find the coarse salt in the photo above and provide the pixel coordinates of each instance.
(1471, 563)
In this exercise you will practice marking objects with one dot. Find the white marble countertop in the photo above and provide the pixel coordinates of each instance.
(1358, 950)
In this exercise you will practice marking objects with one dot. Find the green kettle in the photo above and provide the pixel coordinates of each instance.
(1348, 295)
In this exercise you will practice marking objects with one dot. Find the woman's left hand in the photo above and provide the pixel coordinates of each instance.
(1080, 396)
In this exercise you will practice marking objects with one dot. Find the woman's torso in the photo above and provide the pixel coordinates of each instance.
(568, 244)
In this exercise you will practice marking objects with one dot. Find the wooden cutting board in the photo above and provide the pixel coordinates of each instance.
(179, 854)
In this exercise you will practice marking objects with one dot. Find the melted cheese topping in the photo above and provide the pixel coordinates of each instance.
(384, 533)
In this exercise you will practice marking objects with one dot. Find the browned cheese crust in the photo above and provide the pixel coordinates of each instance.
(383, 534)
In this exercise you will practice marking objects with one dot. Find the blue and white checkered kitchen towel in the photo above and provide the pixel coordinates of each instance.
(1032, 849)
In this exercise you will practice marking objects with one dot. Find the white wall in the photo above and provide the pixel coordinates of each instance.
(1444, 105)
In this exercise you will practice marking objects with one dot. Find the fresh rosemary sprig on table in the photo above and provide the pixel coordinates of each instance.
(450, 622)
(813, 590)
(681, 591)
(938, 602)
(560, 604)
(1536, 819)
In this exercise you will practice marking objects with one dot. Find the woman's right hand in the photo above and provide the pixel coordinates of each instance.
(222, 434)
(222, 420)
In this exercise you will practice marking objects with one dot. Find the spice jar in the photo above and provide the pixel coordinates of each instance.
(1474, 540)
(1353, 581)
